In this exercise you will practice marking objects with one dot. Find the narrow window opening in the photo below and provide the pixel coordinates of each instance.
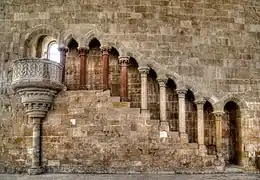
(53, 52)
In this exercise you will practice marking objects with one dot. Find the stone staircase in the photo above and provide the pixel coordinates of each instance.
(115, 135)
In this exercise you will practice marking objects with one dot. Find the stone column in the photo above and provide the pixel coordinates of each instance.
(219, 117)
(182, 113)
(144, 92)
(124, 61)
(63, 50)
(163, 114)
(36, 118)
(83, 73)
(105, 58)
(200, 123)
(36, 142)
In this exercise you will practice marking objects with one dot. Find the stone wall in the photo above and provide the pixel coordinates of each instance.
(210, 46)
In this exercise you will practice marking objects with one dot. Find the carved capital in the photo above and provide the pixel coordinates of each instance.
(105, 50)
(218, 115)
(200, 103)
(36, 101)
(82, 51)
(181, 92)
(162, 82)
(63, 49)
(143, 70)
(124, 61)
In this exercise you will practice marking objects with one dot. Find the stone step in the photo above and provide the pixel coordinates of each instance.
(174, 135)
(153, 122)
(121, 104)
(233, 169)
(114, 99)
(130, 110)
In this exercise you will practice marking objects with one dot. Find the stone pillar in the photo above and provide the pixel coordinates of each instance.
(83, 73)
(36, 143)
(105, 58)
(219, 117)
(163, 114)
(124, 61)
(182, 113)
(144, 92)
(63, 50)
(200, 123)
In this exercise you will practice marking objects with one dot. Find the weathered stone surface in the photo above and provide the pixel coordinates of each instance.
(209, 47)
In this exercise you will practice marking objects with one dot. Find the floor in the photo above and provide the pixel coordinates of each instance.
(230, 176)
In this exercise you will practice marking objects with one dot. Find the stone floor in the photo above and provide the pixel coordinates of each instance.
(131, 177)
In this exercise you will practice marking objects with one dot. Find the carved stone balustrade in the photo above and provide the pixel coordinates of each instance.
(37, 81)
(34, 72)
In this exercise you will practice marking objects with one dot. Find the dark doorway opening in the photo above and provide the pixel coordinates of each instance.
(231, 134)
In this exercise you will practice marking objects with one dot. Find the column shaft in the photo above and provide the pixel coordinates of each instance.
(200, 121)
(36, 144)
(105, 59)
(63, 51)
(218, 116)
(144, 87)
(182, 111)
(124, 61)
(163, 112)
(83, 72)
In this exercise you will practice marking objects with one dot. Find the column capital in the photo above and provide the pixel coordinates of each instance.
(63, 49)
(144, 70)
(162, 82)
(200, 103)
(181, 92)
(218, 114)
(105, 50)
(83, 50)
(124, 60)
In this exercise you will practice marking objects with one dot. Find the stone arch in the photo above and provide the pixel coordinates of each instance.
(34, 32)
(69, 38)
(219, 105)
(68, 35)
(209, 128)
(86, 39)
(232, 133)
(197, 93)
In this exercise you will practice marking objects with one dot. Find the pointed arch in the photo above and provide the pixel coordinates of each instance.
(70, 38)
(68, 35)
(91, 35)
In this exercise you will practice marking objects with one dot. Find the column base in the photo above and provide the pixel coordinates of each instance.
(164, 126)
(202, 150)
(35, 171)
(184, 138)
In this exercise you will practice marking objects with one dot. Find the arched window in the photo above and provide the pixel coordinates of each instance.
(53, 52)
